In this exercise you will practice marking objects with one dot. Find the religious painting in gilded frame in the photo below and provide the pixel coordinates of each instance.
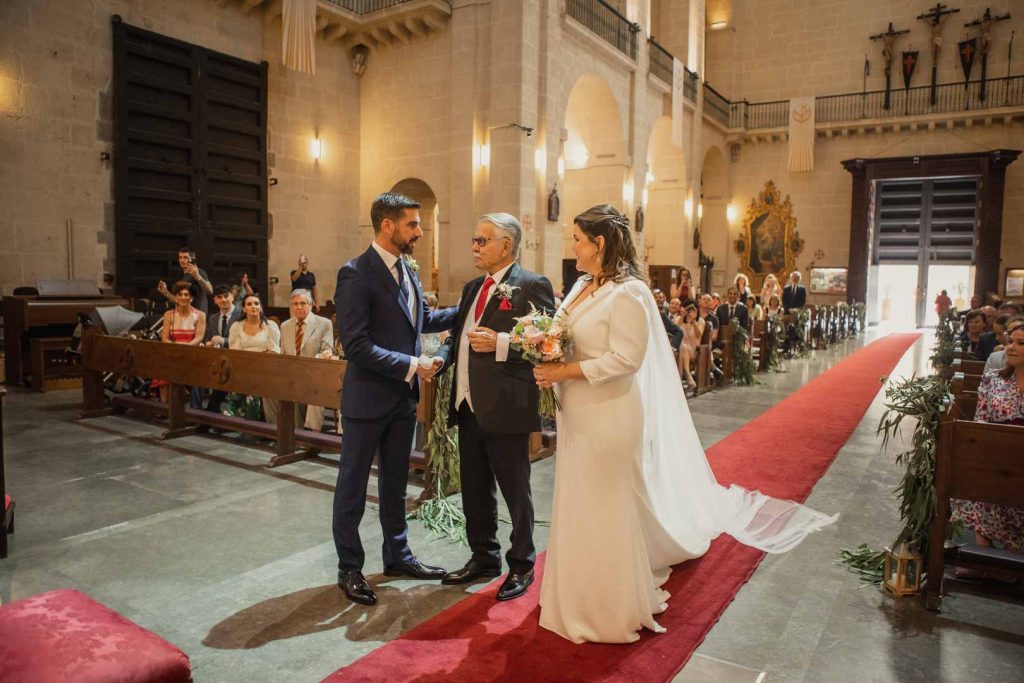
(769, 242)
(828, 280)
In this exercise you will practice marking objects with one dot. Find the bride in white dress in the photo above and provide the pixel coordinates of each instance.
(634, 493)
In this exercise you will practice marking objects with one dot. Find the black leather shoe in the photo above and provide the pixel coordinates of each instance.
(515, 585)
(355, 587)
(471, 572)
(414, 569)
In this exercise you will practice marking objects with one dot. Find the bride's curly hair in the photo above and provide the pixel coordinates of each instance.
(620, 261)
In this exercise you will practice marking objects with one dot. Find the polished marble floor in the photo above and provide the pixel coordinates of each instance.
(234, 563)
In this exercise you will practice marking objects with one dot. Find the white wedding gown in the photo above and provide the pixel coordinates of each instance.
(634, 493)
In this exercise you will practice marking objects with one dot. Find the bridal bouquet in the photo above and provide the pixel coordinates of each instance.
(542, 338)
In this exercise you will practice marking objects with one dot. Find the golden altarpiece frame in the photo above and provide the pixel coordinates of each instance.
(769, 242)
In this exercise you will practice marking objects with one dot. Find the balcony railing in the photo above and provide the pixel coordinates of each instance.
(659, 62)
(606, 22)
(368, 6)
(716, 106)
(949, 97)
(690, 85)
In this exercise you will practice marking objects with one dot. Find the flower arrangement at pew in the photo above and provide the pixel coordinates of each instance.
(438, 512)
(775, 328)
(542, 338)
(923, 400)
(803, 323)
(742, 360)
(860, 311)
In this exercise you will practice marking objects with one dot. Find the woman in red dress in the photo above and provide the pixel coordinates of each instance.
(182, 325)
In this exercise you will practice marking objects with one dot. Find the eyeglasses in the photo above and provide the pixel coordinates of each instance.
(482, 241)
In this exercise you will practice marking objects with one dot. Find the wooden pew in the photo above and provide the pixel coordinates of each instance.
(979, 462)
(968, 367)
(761, 342)
(725, 337)
(962, 383)
(704, 362)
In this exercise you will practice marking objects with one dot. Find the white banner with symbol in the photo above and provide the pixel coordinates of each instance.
(678, 78)
(801, 134)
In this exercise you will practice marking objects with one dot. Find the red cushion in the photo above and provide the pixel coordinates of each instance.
(65, 635)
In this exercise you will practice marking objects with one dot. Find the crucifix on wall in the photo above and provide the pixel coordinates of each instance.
(936, 18)
(888, 39)
(984, 24)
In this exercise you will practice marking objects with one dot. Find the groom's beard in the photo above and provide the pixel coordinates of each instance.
(402, 245)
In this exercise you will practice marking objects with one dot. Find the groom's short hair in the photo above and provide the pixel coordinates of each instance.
(389, 205)
(508, 225)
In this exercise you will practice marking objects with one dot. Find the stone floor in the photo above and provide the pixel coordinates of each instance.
(234, 563)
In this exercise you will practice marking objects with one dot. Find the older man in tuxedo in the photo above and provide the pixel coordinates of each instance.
(381, 313)
(494, 402)
(309, 335)
(794, 295)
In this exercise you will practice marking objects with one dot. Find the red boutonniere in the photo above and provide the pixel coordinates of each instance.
(504, 292)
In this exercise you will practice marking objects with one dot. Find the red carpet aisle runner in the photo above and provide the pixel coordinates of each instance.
(480, 639)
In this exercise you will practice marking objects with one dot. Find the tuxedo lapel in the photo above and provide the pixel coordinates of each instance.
(511, 277)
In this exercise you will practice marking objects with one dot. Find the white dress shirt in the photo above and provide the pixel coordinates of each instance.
(392, 262)
(470, 324)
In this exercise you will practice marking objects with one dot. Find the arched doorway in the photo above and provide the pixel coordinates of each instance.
(665, 239)
(594, 155)
(428, 248)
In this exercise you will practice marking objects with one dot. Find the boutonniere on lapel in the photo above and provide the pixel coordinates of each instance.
(411, 264)
(504, 292)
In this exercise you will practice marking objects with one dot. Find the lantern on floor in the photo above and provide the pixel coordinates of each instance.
(901, 573)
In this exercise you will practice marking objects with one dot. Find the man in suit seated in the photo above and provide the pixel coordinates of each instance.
(675, 332)
(794, 295)
(733, 309)
(218, 324)
(309, 335)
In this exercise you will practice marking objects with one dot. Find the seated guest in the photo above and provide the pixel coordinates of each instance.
(659, 298)
(974, 327)
(183, 324)
(770, 288)
(975, 306)
(733, 309)
(675, 311)
(756, 312)
(991, 314)
(674, 332)
(795, 294)
(1010, 308)
(254, 332)
(218, 323)
(706, 312)
(774, 307)
(693, 331)
(309, 335)
(742, 285)
(997, 359)
(716, 300)
(999, 401)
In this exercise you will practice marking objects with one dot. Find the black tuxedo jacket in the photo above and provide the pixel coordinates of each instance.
(213, 324)
(793, 298)
(742, 314)
(505, 395)
(379, 335)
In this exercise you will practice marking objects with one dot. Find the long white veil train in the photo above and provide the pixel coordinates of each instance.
(686, 507)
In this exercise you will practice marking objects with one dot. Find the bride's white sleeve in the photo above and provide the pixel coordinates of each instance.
(627, 338)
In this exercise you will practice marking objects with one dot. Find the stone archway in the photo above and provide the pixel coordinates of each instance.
(665, 237)
(712, 215)
(428, 250)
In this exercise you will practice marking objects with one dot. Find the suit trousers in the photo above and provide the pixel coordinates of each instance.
(486, 458)
(391, 436)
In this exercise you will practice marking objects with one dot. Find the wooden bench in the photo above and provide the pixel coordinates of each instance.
(968, 367)
(704, 361)
(760, 344)
(725, 338)
(962, 383)
(287, 379)
(7, 516)
(978, 462)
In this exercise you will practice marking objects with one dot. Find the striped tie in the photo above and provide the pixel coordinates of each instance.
(298, 337)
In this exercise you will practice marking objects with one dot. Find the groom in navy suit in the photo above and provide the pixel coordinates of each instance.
(381, 313)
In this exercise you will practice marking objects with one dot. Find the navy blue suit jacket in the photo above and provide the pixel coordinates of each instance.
(379, 335)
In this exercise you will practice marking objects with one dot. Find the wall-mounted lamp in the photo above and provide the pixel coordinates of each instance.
(316, 148)
(485, 155)
(731, 213)
(718, 25)
(628, 192)
(650, 176)
(688, 208)
(540, 160)
(561, 167)
(644, 196)
(700, 211)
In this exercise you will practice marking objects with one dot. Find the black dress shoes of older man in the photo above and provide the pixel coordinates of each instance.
(515, 585)
(471, 572)
(355, 587)
(414, 569)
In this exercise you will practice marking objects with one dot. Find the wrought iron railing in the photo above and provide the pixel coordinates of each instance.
(605, 21)
(368, 6)
(949, 97)
(690, 85)
(659, 61)
(743, 114)
(716, 106)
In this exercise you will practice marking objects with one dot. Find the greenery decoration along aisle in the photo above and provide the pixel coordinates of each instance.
(742, 361)
(803, 330)
(439, 512)
(923, 400)
(775, 328)
(860, 311)
(946, 335)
